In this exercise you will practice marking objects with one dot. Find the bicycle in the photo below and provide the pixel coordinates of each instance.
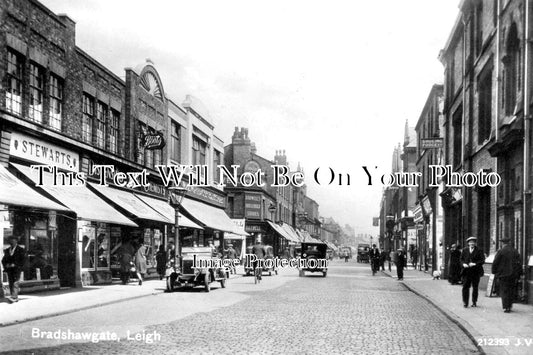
(258, 273)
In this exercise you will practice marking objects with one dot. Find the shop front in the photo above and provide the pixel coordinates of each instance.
(33, 219)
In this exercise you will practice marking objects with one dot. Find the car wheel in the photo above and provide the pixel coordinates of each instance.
(302, 273)
(170, 284)
(270, 273)
(223, 283)
(207, 280)
(276, 271)
(325, 273)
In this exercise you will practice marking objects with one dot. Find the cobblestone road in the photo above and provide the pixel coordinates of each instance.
(349, 311)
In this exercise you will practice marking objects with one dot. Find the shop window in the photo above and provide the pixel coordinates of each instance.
(14, 82)
(88, 117)
(95, 246)
(483, 219)
(101, 119)
(175, 153)
(36, 93)
(113, 127)
(56, 102)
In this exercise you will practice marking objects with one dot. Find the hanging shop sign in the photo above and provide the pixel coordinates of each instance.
(152, 141)
(419, 216)
(426, 204)
(39, 151)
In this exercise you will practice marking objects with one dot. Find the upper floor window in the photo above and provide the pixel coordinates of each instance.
(478, 28)
(457, 136)
(175, 148)
(199, 148)
(484, 104)
(511, 71)
(14, 82)
(113, 128)
(101, 119)
(217, 160)
(88, 117)
(56, 102)
(36, 93)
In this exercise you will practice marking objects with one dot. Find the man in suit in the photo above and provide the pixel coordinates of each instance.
(401, 263)
(13, 262)
(507, 268)
(374, 254)
(472, 260)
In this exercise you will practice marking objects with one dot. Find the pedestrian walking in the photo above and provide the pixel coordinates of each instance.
(13, 262)
(472, 260)
(454, 276)
(161, 260)
(382, 258)
(231, 254)
(126, 261)
(140, 262)
(374, 255)
(401, 262)
(507, 270)
(414, 257)
(392, 258)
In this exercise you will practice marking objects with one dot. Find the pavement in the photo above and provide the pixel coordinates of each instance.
(493, 330)
(34, 306)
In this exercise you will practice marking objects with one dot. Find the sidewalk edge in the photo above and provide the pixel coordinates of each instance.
(50, 315)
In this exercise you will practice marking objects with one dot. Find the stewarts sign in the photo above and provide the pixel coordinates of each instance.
(39, 151)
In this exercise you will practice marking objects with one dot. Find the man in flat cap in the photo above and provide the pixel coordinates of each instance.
(507, 269)
(472, 260)
(13, 262)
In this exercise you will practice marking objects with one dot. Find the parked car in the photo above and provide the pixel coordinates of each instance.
(187, 275)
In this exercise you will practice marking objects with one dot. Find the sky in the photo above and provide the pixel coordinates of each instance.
(330, 82)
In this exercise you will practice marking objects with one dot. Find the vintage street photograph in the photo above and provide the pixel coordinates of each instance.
(266, 177)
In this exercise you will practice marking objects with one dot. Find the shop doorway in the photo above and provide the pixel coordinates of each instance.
(66, 237)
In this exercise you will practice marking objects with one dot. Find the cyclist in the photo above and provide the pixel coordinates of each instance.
(259, 251)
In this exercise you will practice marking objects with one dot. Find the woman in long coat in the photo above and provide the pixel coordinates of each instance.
(161, 259)
(140, 262)
(126, 252)
(455, 265)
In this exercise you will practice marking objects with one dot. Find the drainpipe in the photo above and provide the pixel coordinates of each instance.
(527, 143)
(497, 113)
(464, 203)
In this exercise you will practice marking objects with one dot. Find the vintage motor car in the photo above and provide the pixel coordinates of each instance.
(248, 269)
(187, 275)
(318, 252)
(363, 253)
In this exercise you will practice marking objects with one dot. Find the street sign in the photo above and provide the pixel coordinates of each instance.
(431, 143)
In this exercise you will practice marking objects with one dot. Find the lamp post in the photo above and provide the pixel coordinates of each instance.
(176, 195)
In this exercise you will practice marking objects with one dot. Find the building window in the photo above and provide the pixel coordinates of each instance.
(14, 83)
(114, 120)
(511, 73)
(140, 148)
(101, 119)
(484, 104)
(199, 148)
(457, 136)
(36, 93)
(88, 117)
(175, 147)
(56, 102)
(478, 28)
(217, 160)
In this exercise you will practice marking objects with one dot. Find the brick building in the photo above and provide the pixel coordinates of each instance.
(62, 108)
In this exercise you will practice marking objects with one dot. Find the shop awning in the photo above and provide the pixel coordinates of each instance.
(132, 204)
(16, 192)
(86, 204)
(291, 232)
(168, 211)
(209, 216)
(281, 231)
